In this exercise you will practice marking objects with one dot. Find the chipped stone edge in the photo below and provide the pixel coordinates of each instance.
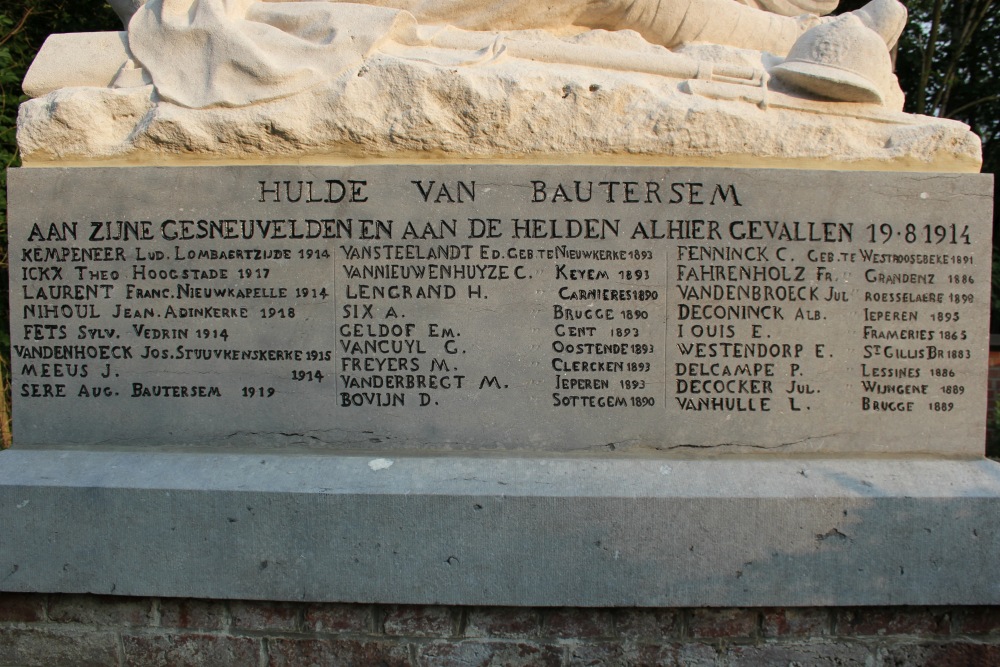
(500, 531)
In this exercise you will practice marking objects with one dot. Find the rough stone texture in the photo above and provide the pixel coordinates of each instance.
(392, 108)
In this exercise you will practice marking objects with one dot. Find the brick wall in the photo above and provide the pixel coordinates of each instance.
(80, 630)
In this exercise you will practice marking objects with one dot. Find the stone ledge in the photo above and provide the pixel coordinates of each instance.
(492, 531)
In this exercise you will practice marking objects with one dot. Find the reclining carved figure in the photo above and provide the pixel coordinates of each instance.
(162, 30)
(766, 25)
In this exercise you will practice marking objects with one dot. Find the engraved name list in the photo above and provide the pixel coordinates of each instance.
(687, 311)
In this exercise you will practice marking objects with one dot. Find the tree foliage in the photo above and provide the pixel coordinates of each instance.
(949, 66)
(24, 25)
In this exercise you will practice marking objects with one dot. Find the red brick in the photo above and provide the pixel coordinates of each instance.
(489, 654)
(100, 610)
(950, 654)
(18, 608)
(796, 622)
(672, 655)
(978, 620)
(191, 614)
(814, 654)
(600, 654)
(648, 625)
(722, 623)
(336, 618)
(194, 650)
(502, 622)
(882, 621)
(57, 647)
(265, 616)
(323, 652)
(418, 621)
(578, 623)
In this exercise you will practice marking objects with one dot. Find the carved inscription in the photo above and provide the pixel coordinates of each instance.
(534, 308)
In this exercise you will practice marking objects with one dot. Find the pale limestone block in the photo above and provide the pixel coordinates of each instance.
(516, 110)
(77, 59)
(447, 94)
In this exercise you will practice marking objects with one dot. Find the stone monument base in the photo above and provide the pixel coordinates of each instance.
(501, 531)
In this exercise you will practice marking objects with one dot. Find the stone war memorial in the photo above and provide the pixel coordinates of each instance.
(656, 304)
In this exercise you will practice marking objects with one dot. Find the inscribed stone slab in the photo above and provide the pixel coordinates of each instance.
(484, 307)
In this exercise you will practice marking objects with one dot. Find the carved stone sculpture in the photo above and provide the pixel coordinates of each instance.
(443, 79)
(236, 52)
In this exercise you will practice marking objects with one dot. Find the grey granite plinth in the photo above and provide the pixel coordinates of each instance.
(457, 309)
(492, 531)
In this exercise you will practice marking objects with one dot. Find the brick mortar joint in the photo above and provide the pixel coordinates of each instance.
(836, 620)
(75, 629)
(301, 632)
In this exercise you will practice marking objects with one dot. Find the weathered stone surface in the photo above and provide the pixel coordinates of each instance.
(503, 113)
(334, 529)
(686, 312)
(77, 59)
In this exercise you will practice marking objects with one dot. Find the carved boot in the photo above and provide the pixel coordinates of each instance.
(886, 17)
